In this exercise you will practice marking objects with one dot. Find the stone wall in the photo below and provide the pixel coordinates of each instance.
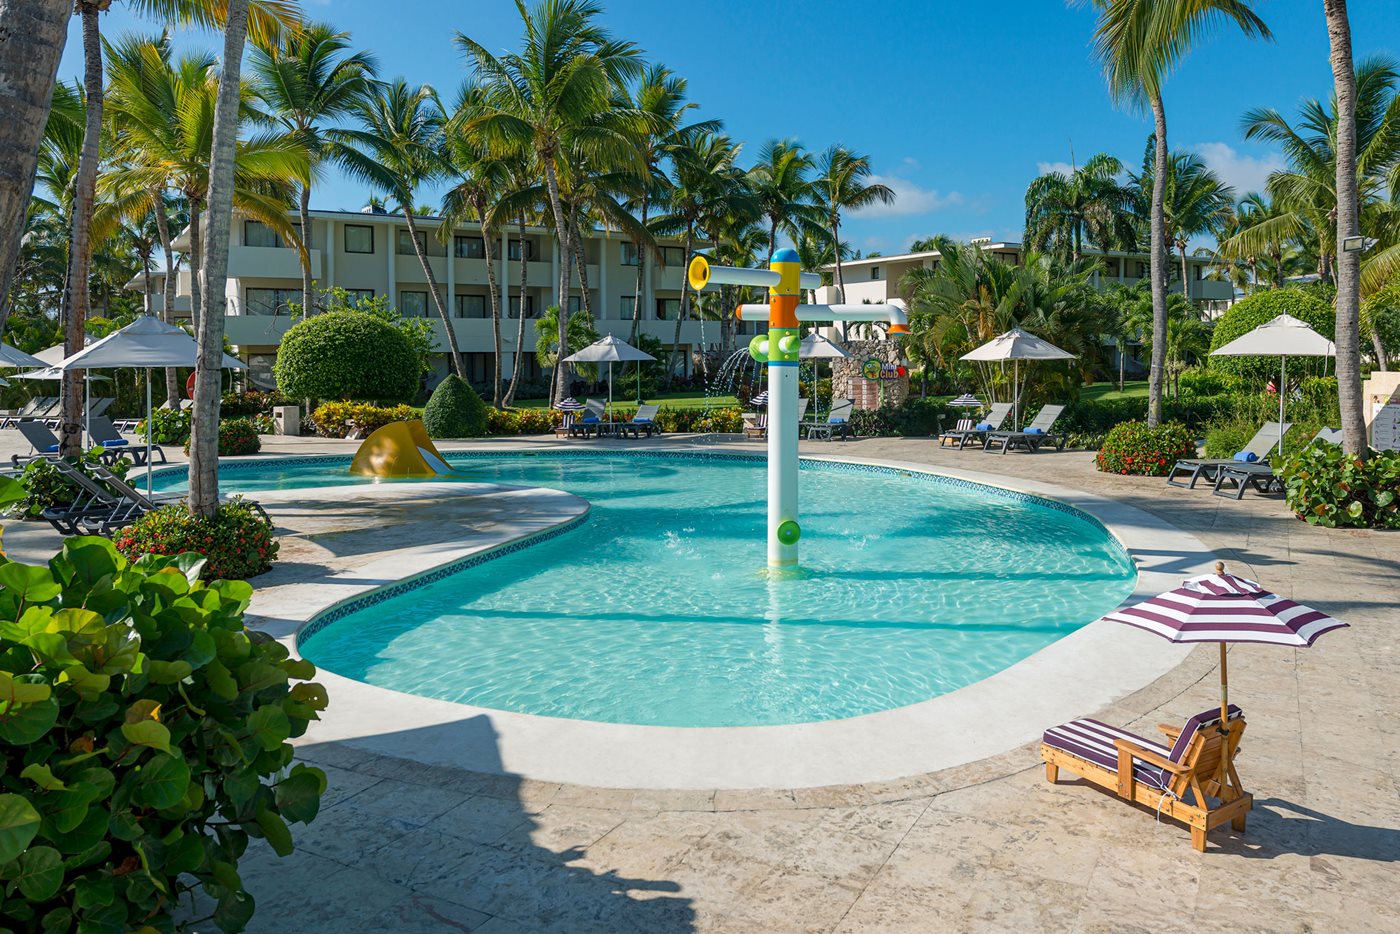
(846, 369)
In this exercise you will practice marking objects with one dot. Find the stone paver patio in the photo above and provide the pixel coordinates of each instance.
(401, 846)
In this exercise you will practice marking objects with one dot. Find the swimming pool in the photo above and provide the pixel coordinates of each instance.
(657, 609)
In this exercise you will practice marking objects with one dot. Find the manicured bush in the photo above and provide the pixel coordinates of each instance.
(145, 736)
(338, 419)
(1195, 381)
(1133, 448)
(1260, 308)
(168, 426)
(237, 542)
(455, 410)
(346, 355)
(1328, 487)
(45, 487)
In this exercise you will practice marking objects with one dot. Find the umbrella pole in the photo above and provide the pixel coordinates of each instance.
(1282, 381)
(149, 428)
(1224, 693)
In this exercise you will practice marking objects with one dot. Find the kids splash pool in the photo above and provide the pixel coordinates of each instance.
(657, 610)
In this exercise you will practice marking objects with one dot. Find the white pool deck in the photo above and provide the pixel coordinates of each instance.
(384, 530)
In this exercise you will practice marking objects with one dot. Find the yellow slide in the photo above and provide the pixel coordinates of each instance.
(399, 449)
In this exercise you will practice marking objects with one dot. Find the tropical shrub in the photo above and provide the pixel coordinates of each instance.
(455, 410)
(236, 542)
(1259, 308)
(252, 403)
(144, 732)
(338, 419)
(346, 355)
(237, 436)
(1196, 381)
(521, 421)
(45, 487)
(1133, 448)
(728, 419)
(168, 426)
(1328, 487)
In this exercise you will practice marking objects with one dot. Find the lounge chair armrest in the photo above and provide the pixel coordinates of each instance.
(1172, 730)
(1148, 756)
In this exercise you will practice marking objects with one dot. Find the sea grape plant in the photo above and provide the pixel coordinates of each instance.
(143, 741)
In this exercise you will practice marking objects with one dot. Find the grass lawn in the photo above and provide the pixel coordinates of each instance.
(1109, 390)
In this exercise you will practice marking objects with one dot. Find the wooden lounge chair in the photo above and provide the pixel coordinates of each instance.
(756, 424)
(1037, 433)
(1177, 782)
(565, 428)
(1194, 469)
(995, 417)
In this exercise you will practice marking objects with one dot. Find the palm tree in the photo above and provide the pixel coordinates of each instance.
(397, 150)
(519, 201)
(842, 184)
(480, 179)
(1255, 238)
(1062, 211)
(1195, 200)
(37, 30)
(1139, 42)
(306, 80)
(553, 98)
(1348, 208)
(779, 183)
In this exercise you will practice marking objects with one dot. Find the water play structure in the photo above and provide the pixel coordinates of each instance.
(780, 350)
(399, 449)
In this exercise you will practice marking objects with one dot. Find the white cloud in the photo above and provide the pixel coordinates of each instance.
(1242, 173)
(909, 162)
(1045, 168)
(909, 198)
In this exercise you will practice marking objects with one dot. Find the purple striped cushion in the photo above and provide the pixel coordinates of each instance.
(1203, 719)
(1093, 740)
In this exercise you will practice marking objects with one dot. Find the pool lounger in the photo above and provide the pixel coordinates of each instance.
(995, 417)
(1195, 469)
(1032, 436)
(1261, 476)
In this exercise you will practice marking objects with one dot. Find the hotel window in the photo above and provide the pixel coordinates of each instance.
(359, 295)
(471, 306)
(359, 238)
(513, 249)
(269, 301)
(627, 308)
(575, 304)
(529, 306)
(256, 233)
(874, 273)
(629, 253)
(667, 309)
(671, 255)
(406, 245)
(468, 248)
(413, 304)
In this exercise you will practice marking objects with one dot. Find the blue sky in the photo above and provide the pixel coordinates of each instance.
(959, 105)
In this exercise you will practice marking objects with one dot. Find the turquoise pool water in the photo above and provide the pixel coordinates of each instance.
(656, 610)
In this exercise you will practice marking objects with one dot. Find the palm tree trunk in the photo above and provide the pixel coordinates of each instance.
(836, 247)
(518, 362)
(307, 286)
(576, 234)
(172, 378)
(204, 431)
(84, 197)
(1378, 348)
(1158, 268)
(453, 352)
(772, 238)
(493, 300)
(561, 232)
(1185, 282)
(36, 31)
(639, 299)
(196, 262)
(685, 304)
(1348, 263)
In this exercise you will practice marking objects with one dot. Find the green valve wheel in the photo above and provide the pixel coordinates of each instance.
(789, 532)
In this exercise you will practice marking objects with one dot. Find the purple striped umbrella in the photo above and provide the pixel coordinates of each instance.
(1224, 608)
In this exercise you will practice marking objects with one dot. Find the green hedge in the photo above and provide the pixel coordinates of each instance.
(1260, 308)
(347, 355)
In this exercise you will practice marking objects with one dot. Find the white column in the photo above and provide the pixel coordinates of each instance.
(393, 247)
(504, 260)
(451, 298)
(328, 256)
(782, 460)
(602, 277)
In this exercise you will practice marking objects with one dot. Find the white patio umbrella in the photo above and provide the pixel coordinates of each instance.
(146, 342)
(1283, 337)
(1018, 345)
(611, 350)
(47, 361)
(816, 347)
(14, 357)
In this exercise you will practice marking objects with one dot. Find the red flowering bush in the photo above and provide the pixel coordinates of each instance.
(1133, 448)
(236, 542)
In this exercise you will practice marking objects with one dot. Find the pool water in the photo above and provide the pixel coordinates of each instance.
(657, 608)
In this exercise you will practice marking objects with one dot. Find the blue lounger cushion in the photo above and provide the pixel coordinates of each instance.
(1033, 431)
(1247, 457)
(986, 426)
